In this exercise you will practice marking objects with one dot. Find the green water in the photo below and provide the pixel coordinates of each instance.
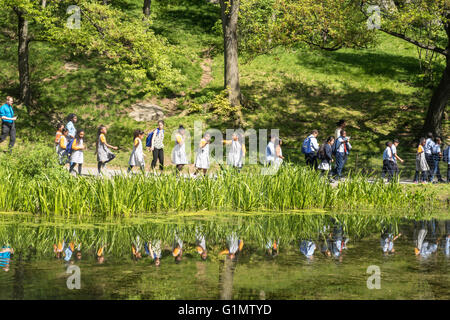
(34, 271)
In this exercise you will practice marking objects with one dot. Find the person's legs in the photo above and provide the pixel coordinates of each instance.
(161, 159)
(448, 172)
(130, 168)
(12, 135)
(80, 168)
(339, 163)
(384, 170)
(416, 176)
(99, 167)
(430, 162)
(72, 166)
(155, 158)
(142, 168)
(5, 131)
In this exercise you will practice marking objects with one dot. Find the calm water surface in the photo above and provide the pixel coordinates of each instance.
(276, 256)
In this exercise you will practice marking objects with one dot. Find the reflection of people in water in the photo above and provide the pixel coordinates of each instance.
(58, 249)
(235, 246)
(387, 240)
(68, 251)
(335, 242)
(5, 257)
(426, 242)
(307, 247)
(272, 247)
(101, 254)
(447, 238)
(177, 249)
(153, 249)
(200, 243)
(136, 248)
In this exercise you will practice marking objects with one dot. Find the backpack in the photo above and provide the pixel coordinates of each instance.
(148, 141)
(69, 146)
(306, 147)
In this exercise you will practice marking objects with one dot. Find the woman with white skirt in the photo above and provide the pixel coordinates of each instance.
(179, 157)
(137, 155)
(202, 158)
(236, 156)
(77, 157)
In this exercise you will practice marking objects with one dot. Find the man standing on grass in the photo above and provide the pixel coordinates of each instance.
(8, 122)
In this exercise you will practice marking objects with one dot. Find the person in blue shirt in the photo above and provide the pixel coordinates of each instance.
(307, 248)
(71, 120)
(8, 122)
(437, 155)
(5, 257)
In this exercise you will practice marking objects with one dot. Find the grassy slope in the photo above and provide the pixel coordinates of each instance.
(295, 90)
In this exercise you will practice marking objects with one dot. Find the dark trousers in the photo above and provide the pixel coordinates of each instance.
(311, 160)
(72, 167)
(341, 159)
(8, 129)
(389, 168)
(448, 173)
(430, 161)
(158, 154)
(425, 176)
(436, 170)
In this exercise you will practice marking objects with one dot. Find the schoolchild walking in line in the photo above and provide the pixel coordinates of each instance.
(77, 157)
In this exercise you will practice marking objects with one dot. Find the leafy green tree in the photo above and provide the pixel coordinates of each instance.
(127, 45)
(426, 24)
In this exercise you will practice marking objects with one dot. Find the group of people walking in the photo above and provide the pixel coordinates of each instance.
(69, 144)
(429, 154)
(335, 149)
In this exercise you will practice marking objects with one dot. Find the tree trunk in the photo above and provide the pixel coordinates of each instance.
(24, 70)
(229, 12)
(440, 98)
(146, 8)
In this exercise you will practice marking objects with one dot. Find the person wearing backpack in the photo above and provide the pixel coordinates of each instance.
(341, 150)
(77, 156)
(156, 145)
(325, 156)
(310, 148)
(179, 156)
(62, 146)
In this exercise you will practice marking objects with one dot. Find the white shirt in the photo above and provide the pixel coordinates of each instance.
(429, 146)
(314, 144)
(388, 154)
(394, 152)
(436, 149)
(341, 141)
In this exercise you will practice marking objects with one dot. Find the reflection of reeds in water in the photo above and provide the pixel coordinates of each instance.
(23, 232)
(291, 188)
